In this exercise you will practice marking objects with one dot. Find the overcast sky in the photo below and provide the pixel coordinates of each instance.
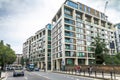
(20, 19)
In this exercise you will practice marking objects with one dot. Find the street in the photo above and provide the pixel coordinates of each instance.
(45, 76)
(28, 76)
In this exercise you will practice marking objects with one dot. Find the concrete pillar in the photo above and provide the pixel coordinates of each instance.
(83, 16)
(41, 65)
(86, 61)
(76, 61)
(92, 20)
(57, 64)
(99, 22)
(38, 65)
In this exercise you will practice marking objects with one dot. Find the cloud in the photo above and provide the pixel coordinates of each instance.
(20, 19)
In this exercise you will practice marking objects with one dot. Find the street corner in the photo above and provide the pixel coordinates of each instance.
(4, 75)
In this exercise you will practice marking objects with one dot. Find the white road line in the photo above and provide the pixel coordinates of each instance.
(26, 78)
(42, 75)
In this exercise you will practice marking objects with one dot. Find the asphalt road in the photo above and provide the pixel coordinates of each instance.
(27, 76)
(45, 76)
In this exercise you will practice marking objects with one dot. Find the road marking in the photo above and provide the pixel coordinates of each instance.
(26, 78)
(42, 75)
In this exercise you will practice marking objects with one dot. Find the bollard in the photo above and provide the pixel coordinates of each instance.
(72, 71)
(102, 74)
(79, 72)
(95, 74)
(111, 75)
(114, 76)
(89, 73)
(84, 72)
(0, 74)
(69, 71)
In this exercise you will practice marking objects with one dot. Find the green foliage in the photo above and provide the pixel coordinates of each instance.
(99, 49)
(7, 55)
(114, 60)
(22, 61)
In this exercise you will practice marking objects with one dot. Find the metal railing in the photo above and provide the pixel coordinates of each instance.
(93, 74)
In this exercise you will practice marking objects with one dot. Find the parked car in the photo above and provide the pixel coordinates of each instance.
(18, 72)
(36, 69)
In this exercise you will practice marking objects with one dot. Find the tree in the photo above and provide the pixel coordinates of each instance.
(113, 59)
(99, 49)
(22, 61)
(7, 55)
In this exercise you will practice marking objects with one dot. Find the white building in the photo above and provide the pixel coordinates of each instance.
(117, 37)
(74, 27)
(38, 48)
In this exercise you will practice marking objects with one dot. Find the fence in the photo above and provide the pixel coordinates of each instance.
(112, 75)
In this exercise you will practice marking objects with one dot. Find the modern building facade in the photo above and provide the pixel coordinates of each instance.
(38, 48)
(18, 60)
(74, 27)
(117, 37)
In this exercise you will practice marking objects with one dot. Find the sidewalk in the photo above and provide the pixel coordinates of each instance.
(106, 76)
(3, 76)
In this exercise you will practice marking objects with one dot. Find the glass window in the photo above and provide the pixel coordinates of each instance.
(88, 32)
(49, 38)
(67, 53)
(78, 24)
(72, 4)
(80, 7)
(80, 42)
(88, 9)
(69, 40)
(79, 30)
(87, 27)
(70, 62)
(49, 26)
(80, 54)
(68, 13)
(90, 55)
(80, 36)
(88, 43)
(68, 27)
(85, 8)
(49, 46)
(81, 61)
(69, 21)
(80, 48)
(67, 46)
(71, 34)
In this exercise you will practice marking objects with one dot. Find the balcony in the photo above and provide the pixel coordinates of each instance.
(70, 54)
(67, 27)
(68, 16)
(70, 34)
(68, 21)
(81, 54)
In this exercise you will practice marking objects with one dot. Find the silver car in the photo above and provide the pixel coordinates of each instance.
(18, 72)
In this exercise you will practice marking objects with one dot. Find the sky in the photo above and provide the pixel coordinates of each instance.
(20, 19)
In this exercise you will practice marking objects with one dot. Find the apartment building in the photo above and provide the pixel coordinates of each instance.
(38, 47)
(26, 48)
(18, 60)
(74, 27)
(117, 37)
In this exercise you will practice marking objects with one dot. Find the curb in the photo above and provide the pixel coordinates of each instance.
(2, 78)
(86, 76)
